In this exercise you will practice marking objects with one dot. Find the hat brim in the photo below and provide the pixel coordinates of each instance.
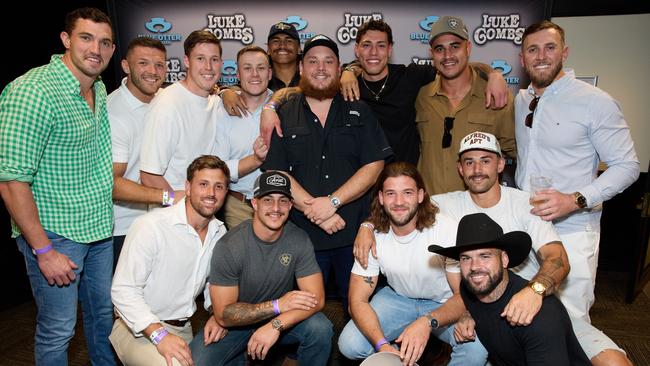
(272, 191)
(516, 243)
(292, 35)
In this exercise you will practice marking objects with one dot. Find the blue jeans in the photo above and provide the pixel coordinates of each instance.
(57, 306)
(395, 313)
(313, 336)
(341, 260)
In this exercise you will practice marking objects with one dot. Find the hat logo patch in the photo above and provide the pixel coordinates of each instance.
(276, 180)
(285, 259)
(453, 23)
(282, 26)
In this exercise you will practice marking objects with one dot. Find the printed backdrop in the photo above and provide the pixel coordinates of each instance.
(496, 27)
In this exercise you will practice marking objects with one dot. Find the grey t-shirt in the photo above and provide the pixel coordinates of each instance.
(263, 271)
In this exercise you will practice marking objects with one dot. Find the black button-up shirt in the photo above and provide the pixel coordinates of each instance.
(276, 84)
(322, 159)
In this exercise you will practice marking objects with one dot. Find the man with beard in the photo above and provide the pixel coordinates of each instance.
(453, 106)
(487, 286)
(145, 68)
(333, 151)
(163, 268)
(390, 89)
(56, 181)
(252, 275)
(547, 265)
(238, 141)
(564, 127)
(422, 296)
(181, 122)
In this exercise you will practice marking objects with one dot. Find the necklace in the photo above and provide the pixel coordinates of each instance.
(380, 89)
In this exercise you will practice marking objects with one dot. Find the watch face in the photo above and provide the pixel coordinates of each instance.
(434, 323)
(538, 287)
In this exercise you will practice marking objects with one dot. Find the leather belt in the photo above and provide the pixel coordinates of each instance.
(176, 322)
(239, 197)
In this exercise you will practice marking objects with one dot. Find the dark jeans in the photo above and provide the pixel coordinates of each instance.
(313, 336)
(341, 261)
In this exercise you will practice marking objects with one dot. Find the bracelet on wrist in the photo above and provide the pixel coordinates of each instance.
(276, 306)
(157, 335)
(368, 225)
(380, 343)
(42, 250)
(167, 198)
(271, 105)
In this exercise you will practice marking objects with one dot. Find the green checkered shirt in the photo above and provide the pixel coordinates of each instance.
(51, 139)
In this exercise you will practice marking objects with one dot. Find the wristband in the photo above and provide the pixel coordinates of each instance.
(157, 335)
(271, 106)
(42, 250)
(380, 343)
(368, 225)
(168, 198)
(276, 306)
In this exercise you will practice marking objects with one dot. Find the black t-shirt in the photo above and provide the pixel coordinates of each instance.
(395, 106)
(548, 340)
(322, 159)
(276, 84)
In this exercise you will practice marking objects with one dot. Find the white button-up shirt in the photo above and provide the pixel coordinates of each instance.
(162, 268)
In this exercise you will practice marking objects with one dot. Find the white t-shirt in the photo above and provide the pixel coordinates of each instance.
(512, 213)
(179, 127)
(126, 116)
(410, 268)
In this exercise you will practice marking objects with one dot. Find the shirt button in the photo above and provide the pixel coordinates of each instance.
(327, 176)
(315, 119)
(323, 157)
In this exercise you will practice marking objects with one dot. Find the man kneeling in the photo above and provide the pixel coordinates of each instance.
(485, 253)
(251, 279)
(418, 300)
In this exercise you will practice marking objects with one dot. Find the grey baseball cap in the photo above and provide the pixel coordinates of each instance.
(448, 24)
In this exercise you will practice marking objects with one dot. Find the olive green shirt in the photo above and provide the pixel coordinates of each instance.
(51, 139)
(438, 166)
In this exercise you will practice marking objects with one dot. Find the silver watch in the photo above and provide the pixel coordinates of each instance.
(336, 202)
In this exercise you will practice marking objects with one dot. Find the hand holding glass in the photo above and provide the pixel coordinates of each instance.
(538, 183)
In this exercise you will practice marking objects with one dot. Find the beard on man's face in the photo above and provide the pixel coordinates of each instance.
(329, 92)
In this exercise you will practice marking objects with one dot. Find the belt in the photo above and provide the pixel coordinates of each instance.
(176, 322)
(239, 197)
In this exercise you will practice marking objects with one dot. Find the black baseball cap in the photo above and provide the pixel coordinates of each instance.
(320, 40)
(286, 28)
(272, 182)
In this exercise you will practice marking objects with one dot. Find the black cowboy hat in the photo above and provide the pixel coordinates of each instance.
(477, 231)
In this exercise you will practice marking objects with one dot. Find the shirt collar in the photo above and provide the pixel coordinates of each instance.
(68, 81)
(133, 102)
(556, 85)
(179, 217)
(476, 87)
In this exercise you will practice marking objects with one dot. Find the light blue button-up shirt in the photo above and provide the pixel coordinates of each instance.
(235, 137)
(575, 126)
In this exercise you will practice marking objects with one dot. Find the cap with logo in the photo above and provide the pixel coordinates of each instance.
(448, 24)
(320, 40)
(272, 182)
(480, 141)
(286, 28)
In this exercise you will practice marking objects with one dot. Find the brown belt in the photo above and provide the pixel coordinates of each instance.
(176, 323)
(239, 197)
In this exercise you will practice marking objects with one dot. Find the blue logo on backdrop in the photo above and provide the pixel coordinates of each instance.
(229, 72)
(425, 24)
(160, 26)
(300, 24)
(505, 70)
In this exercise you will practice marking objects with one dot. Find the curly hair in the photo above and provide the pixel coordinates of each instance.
(426, 213)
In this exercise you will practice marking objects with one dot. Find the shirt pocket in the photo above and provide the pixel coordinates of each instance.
(298, 142)
(346, 136)
(483, 122)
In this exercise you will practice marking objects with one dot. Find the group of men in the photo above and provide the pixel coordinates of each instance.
(296, 191)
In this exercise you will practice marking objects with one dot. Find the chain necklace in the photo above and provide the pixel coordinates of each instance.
(380, 89)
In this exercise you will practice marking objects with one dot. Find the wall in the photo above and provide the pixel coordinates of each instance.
(616, 48)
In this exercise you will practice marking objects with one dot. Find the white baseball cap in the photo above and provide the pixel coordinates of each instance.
(480, 141)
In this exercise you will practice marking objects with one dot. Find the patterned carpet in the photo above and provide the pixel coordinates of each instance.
(627, 324)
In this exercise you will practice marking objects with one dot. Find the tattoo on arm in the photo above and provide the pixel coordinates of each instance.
(369, 281)
(240, 313)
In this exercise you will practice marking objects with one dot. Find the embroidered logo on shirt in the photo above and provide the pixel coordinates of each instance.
(285, 259)
(355, 113)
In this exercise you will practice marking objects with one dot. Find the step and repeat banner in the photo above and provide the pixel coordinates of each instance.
(495, 27)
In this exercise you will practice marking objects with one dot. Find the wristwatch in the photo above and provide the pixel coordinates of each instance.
(538, 287)
(336, 202)
(580, 200)
(277, 325)
(433, 322)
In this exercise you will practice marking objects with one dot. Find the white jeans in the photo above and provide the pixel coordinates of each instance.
(577, 291)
